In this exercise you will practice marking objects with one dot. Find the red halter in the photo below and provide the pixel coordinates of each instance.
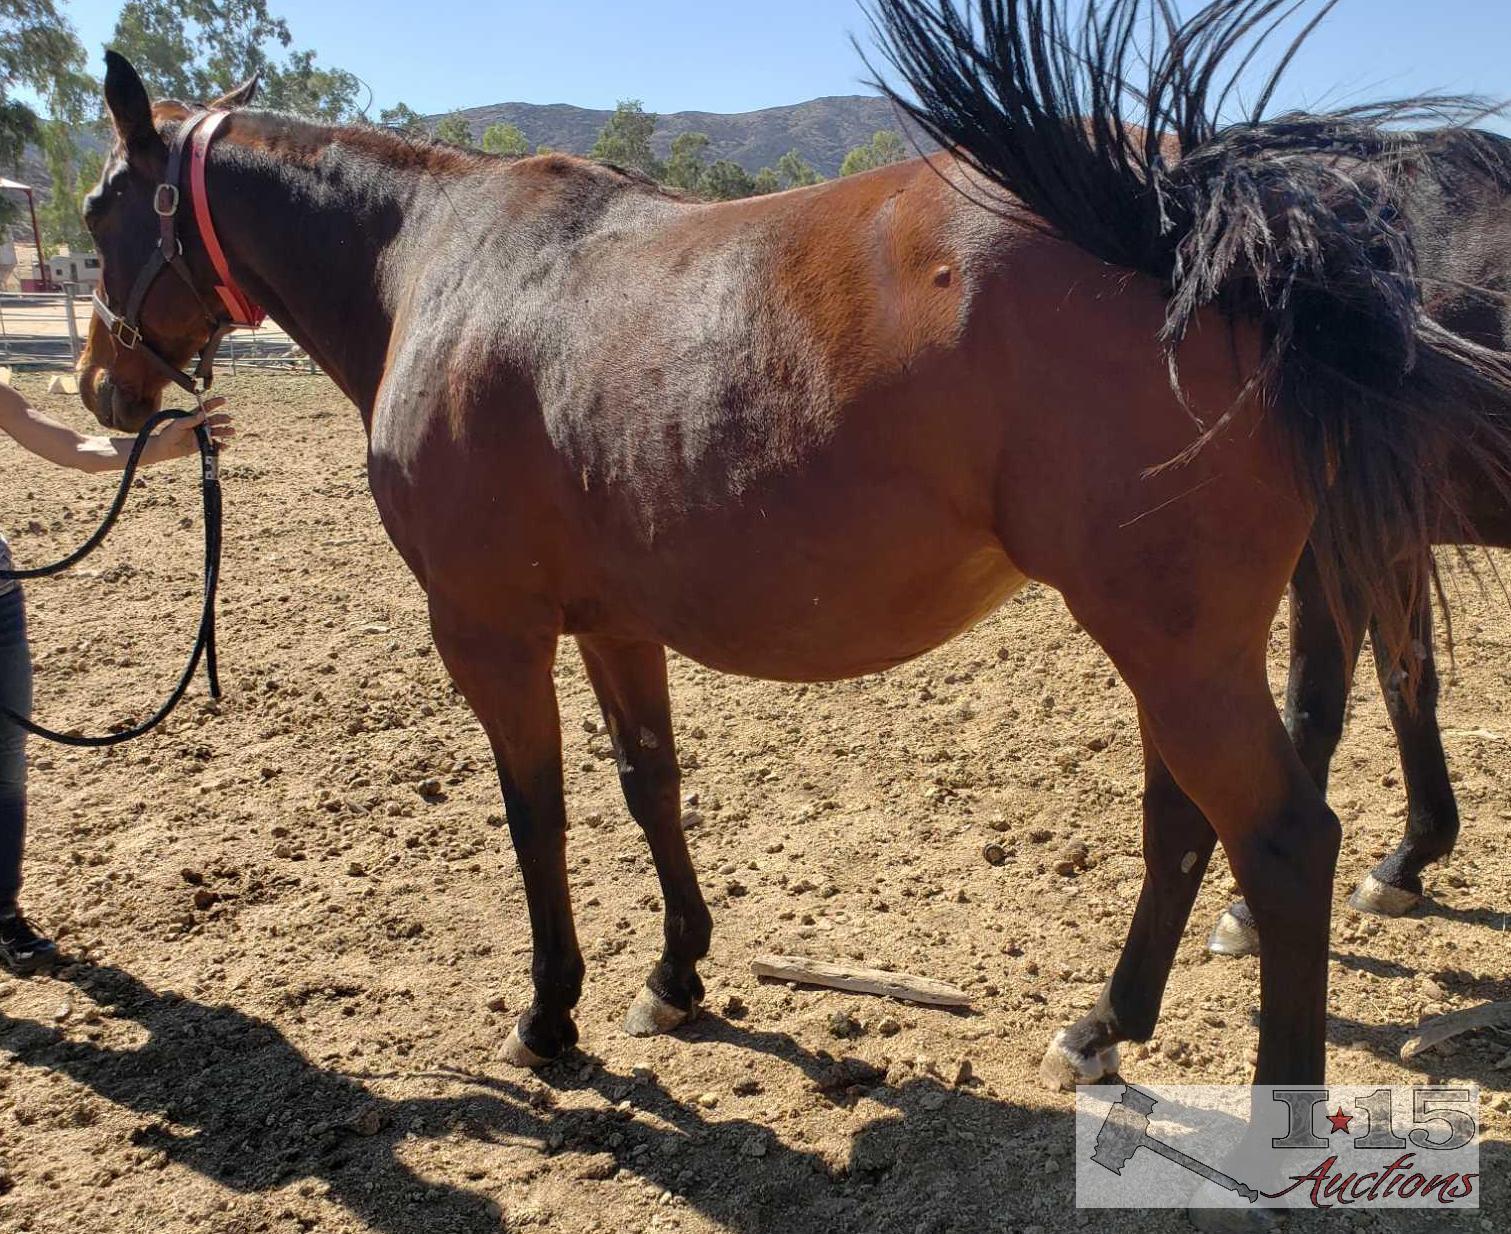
(243, 309)
(240, 310)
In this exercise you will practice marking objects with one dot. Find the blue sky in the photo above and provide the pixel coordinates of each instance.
(693, 54)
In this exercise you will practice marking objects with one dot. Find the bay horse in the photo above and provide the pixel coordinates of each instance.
(1457, 196)
(811, 435)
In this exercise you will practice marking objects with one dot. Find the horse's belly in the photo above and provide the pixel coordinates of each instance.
(812, 619)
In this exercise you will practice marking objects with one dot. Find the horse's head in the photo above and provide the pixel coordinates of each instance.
(118, 381)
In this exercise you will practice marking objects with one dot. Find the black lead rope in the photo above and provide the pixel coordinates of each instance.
(204, 640)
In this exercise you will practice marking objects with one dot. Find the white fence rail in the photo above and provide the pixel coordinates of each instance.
(46, 330)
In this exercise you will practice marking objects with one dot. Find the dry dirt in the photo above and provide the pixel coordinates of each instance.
(294, 970)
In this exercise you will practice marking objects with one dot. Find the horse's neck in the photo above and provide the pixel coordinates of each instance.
(314, 238)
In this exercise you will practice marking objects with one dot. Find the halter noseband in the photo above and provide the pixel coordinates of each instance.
(236, 310)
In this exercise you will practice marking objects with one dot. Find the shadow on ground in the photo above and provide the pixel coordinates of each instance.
(228, 1096)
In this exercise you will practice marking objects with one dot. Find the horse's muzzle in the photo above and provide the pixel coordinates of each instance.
(113, 405)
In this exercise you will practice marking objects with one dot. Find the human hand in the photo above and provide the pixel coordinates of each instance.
(176, 438)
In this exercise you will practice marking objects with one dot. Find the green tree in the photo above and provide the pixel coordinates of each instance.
(857, 160)
(885, 146)
(40, 52)
(626, 139)
(766, 181)
(794, 171)
(454, 130)
(725, 181)
(302, 88)
(61, 214)
(686, 166)
(196, 50)
(505, 139)
(888, 146)
(404, 118)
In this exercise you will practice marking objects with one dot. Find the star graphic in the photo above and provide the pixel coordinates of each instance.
(1340, 1121)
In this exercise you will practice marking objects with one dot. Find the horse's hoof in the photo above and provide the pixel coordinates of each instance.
(1373, 896)
(1232, 936)
(651, 1015)
(1063, 1068)
(518, 1054)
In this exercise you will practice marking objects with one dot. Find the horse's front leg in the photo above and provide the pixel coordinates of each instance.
(506, 679)
(630, 681)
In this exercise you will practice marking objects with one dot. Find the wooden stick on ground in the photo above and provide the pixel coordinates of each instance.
(903, 986)
(1443, 1027)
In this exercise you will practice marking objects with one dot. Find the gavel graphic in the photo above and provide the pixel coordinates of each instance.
(1126, 1130)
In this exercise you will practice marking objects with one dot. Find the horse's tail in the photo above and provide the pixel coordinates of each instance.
(1293, 221)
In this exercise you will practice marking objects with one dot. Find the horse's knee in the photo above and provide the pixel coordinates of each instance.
(652, 789)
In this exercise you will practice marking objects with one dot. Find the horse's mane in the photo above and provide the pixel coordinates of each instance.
(281, 130)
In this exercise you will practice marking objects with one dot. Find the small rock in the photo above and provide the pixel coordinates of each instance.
(735, 1008)
(368, 1121)
(193, 877)
(62, 1013)
(204, 898)
(1432, 990)
(963, 1073)
(848, 1073)
(429, 787)
(691, 819)
(497, 1003)
(843, 1024)
(708, 1100)
(356, 869)
(282, 850)
(995, 854)
(597, 1167)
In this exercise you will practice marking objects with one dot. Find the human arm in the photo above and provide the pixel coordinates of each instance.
(43, 436)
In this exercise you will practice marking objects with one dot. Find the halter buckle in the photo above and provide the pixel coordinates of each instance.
(165, 200)
(119, 332)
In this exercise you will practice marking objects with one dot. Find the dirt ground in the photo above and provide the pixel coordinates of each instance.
(301, 937)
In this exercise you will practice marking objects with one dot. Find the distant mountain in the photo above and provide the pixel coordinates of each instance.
(822, 130)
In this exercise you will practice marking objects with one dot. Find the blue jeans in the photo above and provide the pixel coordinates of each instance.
(15, 693)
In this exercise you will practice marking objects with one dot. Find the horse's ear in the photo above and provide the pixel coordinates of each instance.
(239, 97)
(130, 108)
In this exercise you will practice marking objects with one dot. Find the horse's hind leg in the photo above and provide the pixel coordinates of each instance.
(630, 681)
(1206, 708)
(1316, 701)
(1226, 747)
(507, 682)
(1178, 843)
(1432, 818)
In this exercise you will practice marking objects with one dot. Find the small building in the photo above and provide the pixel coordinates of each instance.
(80, 269)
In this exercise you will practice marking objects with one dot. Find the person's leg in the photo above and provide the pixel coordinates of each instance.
(22, 950)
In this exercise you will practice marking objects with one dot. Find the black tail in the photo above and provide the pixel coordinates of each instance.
(1293, 220)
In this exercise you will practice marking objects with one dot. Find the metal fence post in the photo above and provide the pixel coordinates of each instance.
(73, 326)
